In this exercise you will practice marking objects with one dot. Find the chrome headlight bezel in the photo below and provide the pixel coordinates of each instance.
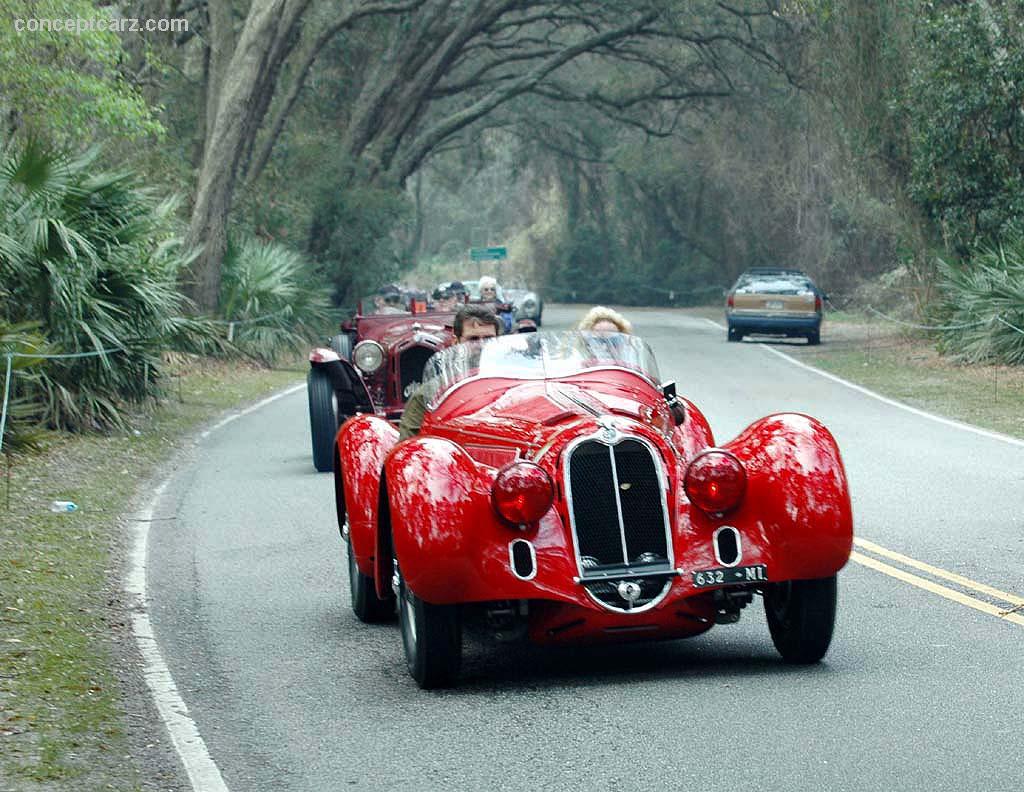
(368, 356)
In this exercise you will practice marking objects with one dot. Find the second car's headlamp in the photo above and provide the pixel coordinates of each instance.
(368, 356)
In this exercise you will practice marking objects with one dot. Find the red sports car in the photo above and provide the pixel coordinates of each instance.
(557, 491)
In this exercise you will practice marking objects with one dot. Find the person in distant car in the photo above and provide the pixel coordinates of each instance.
(444, 300)
(488, 289)
(388, 300)
(472, 323)
(605, 321)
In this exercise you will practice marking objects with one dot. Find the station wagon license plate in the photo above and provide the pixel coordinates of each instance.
(758, 573)
(773, 305)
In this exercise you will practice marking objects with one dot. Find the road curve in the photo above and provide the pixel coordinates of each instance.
(248, 597)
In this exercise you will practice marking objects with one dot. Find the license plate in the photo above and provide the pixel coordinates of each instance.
(758, 573)
(773, 305)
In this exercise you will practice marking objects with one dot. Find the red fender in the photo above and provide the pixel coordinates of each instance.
(363, 442)
(436, 491)
(795, 515)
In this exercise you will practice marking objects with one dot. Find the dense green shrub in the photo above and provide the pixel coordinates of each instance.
(275, 300)
(94, 260)
(987, 295)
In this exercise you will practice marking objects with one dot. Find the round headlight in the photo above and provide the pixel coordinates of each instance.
(529, 305)
(715, 481)
(522, 493)
(368, 356)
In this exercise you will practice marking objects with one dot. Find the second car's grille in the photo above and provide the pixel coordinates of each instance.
(617, 507)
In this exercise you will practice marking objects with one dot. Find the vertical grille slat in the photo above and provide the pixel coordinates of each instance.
(596, 505)
(640, 493)
(593, 503)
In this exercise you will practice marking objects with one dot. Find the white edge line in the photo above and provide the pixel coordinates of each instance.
(892, 402)
(203, 772)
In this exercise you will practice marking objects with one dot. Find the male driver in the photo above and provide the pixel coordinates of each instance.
(388, 300)
(472, 323)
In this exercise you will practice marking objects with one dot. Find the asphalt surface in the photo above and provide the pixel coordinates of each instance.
(249, 599)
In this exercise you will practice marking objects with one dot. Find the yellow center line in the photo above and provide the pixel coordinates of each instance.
(864, 544)
(936, 588)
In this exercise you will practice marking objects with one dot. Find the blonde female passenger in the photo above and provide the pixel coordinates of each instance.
(604, 321)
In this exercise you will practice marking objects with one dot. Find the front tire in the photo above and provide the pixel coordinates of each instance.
(366, 605)
(432, 637)
(323, 423)
(801, 617)
(734, 334)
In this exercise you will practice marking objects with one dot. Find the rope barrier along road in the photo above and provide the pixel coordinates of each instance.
(10, 356)
(232, 322)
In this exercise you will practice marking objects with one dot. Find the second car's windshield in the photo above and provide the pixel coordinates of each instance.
(533, 356)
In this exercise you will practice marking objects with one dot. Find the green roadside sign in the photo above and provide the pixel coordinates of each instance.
(488, 254)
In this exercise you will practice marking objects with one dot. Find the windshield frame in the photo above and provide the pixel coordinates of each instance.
(445, 373)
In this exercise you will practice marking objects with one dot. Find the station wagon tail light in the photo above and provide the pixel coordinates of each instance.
(730, 301)
(715, 481)
(522, 493)
(368, 356)
(817, 303)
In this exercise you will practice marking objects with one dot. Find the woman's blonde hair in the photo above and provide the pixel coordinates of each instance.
(599, 313)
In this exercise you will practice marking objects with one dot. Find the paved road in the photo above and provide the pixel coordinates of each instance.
(249, 599)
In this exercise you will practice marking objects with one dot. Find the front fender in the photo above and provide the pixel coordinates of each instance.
(795, 515)
(362, 443)
(435, 491)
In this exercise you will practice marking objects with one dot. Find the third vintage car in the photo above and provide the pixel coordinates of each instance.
(558, 492)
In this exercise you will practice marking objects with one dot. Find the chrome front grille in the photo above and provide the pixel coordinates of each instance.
(617, 507)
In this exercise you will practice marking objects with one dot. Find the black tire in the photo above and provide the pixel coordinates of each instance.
(342, 344)
(801, 617)
(432, 637)
(323, 423)
(814, 338)
(734, 334)
(366, 605)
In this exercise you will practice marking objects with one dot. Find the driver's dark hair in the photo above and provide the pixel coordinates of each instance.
(481, 313)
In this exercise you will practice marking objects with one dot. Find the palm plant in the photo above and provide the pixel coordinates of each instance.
(275, 301)
(987, 298)
(94, 260)
(21, 413)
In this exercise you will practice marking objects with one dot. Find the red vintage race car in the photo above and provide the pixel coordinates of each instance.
(372, 366)
(558, 492)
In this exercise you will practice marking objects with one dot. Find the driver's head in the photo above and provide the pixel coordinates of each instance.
(475, 323)
(488, 288)
(389, 295)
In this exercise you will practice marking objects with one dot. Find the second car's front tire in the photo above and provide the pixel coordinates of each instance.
(323, 423)
(432, 637)
(801, 617)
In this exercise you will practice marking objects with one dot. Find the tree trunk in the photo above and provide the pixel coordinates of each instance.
(252, 69)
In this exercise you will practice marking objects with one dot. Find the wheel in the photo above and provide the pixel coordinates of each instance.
(342, 344)
(734, 334)
(432, 637)
(366, 605)
(801, 616)
(814, 338)
(323, 424)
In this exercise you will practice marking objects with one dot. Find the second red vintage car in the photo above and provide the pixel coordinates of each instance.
(372, 366)
(558, 492)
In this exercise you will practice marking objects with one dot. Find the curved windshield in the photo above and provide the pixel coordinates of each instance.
(535, 356)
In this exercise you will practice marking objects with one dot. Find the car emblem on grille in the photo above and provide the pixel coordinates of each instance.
(625, 485)
(629, 591)
(608, 430)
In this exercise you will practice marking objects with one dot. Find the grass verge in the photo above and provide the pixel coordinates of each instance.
(66, 719)
(904, 365)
